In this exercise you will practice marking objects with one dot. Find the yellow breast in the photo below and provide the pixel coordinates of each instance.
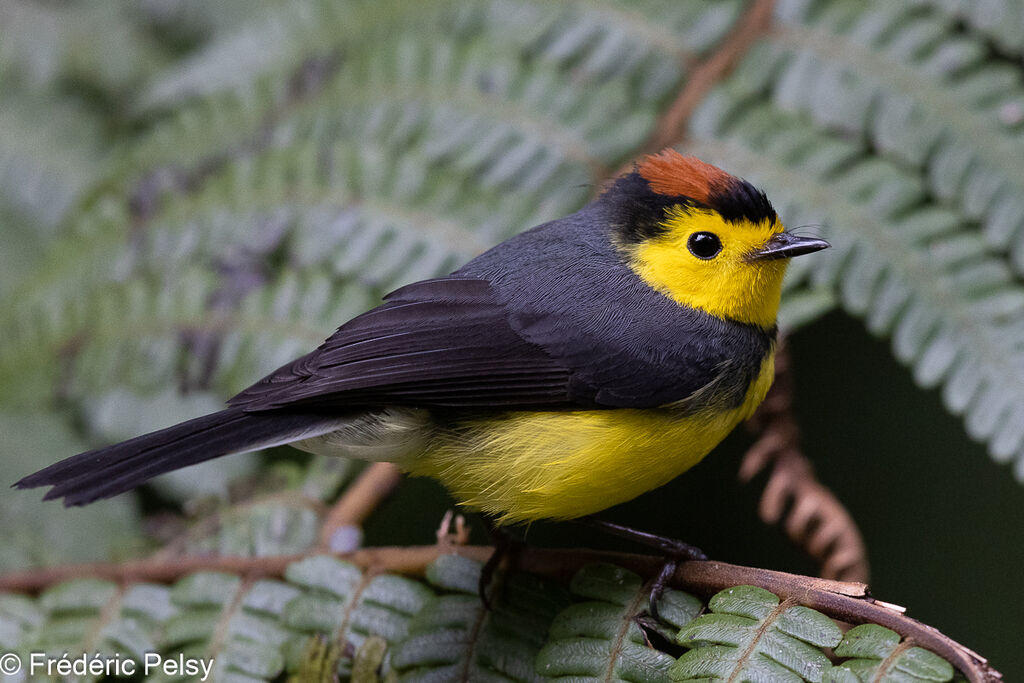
(525, 466)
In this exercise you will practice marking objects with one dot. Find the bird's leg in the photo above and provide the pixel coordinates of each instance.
(504, 546)
(676, 551)
(670, 546)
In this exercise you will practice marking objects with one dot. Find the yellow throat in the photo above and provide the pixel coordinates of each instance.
(728, 285)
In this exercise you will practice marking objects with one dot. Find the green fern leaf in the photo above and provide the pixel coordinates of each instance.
(924, 94)
(87, 616)
(1000, 20)
(19, 617)
(37, 534)
(319, 662)
(349, 607)
(749, 635)
(874, 654)
(601, 639)
(455, 637)
(911, 268)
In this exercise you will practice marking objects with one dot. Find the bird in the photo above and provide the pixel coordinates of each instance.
(570, 368)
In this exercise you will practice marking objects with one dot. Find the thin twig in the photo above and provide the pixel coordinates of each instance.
(669, 130)
(359, 500)
(755, 22)
(811, 514)
(846, 601)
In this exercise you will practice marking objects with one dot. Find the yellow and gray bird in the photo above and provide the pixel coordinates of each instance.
(568, 369)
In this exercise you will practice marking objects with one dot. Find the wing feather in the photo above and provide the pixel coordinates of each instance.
(445, 343)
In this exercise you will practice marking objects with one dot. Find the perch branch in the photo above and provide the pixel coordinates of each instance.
(755, 22)
(669, 129)
(846, 601)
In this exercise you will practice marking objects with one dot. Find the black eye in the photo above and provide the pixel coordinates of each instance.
(704, 245)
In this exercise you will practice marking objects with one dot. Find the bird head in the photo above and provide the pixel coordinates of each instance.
(704, 238)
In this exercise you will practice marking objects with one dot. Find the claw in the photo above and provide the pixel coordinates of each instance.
(675, 551)
(658, 587)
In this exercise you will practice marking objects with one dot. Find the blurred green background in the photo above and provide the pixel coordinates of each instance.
(193, 193)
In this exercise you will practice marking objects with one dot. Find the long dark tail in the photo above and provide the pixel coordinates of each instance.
(106, 472)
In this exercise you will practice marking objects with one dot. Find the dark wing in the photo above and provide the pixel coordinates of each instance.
(444, 342)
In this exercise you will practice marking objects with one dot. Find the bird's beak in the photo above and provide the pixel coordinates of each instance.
(786, 245)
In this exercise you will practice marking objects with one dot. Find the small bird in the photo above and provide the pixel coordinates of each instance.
(572, 367)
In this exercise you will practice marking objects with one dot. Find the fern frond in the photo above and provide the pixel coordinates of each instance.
(50, 153)
(349, 607)
(923, 94)
(875, 653)
(399, 164)
(601, 638)
(276, 42)
(456, 637)
(328, 616)
(234, 622)
(41, 43)
(750, 635)
(911, 268)
(19, 616)
(1001, 21)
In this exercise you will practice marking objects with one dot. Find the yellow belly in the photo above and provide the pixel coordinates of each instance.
(560, 465)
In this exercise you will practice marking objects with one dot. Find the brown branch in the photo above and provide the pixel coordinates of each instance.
(669, 130)
(359, 500)
(841, 600)
(811, 514)
(755, 22)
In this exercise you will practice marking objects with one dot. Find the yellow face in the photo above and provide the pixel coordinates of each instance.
(701, 261)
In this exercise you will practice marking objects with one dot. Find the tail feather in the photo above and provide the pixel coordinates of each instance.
(106, 472)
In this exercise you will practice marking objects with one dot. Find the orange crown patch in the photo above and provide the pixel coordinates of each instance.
(671, 173)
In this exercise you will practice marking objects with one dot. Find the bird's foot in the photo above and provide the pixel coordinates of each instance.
(675, 552)
(505, 547)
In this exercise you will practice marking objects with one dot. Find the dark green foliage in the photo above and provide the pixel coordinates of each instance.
(888, 127)
(35, 534)
(602, 638)
(749, 636)
(319, 662)
(329, 618)
(367, 625)
(456, 638)
(349, 607)
(868, 646)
